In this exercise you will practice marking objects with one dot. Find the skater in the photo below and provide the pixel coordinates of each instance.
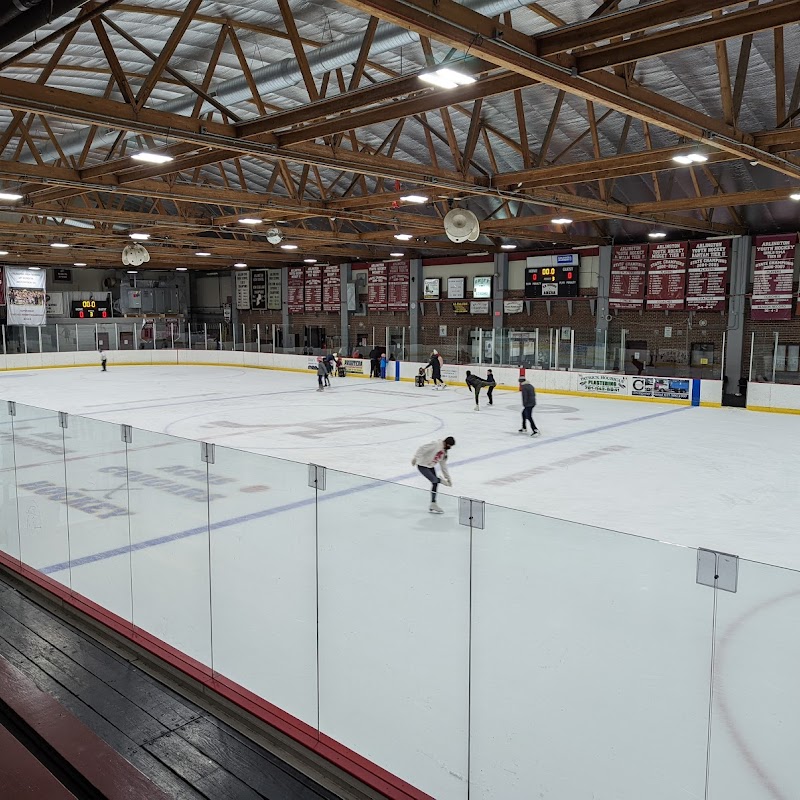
(436, 369)
(383, 366)
(329, 360)
(528, 404)
(475, 384)
(492, 383)
(375, 362)
(425, 460)
(103, 359)
(419, 380)
(322, 374)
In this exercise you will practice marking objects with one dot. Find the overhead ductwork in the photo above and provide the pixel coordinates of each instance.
(283, 74)
(18, 18)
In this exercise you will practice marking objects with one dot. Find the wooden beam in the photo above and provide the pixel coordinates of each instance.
(297, 48)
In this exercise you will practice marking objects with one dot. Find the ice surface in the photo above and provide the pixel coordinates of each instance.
(717, 478)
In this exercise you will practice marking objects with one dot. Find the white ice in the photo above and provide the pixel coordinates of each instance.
(704, 477)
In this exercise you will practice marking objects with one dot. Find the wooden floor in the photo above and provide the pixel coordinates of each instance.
(184, 750)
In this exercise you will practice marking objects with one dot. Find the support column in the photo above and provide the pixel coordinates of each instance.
(601, 307)
(498, 296)
(414, 311)
(741, 252)
(285, 324)
(345, 276)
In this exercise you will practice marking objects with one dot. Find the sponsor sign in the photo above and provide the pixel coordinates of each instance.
(461, 308)
(456, 288)
(25, 296)
(54, 304)
(628, 267)
(513, 306)
(675, 388)
(479, 307)
(449, 373)
(62, 275)
(642, 387)
(605, 384)
(274, 289)
(772, 277)
(482, 287)
(353, 366)
(522, 336)
(431, 288)
(244, 281)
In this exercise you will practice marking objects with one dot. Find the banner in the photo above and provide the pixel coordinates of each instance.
(25, 296)
(399, 286)
(54, 304)
(313, 284)
(296, 291)
(331, 288)
(243, 299)
(513, 306)
(707, 275)
(2, 287)
(274, 289)
(377, 296)
(772, 277)
(479, 307)
(628, 266)
(666, 276)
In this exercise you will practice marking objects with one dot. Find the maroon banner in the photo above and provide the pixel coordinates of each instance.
(377, 298)
(313, 276)
(331, 288)
(2, 286)
(399, 286)
(772, 277)
(707, 275)
(295, 295)
(628, 267)
(666, 276)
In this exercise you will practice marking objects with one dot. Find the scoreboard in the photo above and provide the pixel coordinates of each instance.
(551, 277)
(90, 309)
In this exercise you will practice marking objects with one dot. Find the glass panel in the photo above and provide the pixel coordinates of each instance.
(263, 570)
(9, 527)
(49, 344)
(590, 663)
(756, 708)
(169, 535)
(87, 336)
(97, 494)
(393, 630)
(32, 337)
(67, 338)
(41, 491)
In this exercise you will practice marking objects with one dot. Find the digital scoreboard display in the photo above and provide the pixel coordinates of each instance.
(90, 309)
(552, 276)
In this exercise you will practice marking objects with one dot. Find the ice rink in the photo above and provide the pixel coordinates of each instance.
(718, 478)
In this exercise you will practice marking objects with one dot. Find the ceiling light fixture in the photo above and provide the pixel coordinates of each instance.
(140, 237)
(3, 252)
(446, 78)
(508, 247)
(240, 265)
(35, 269)
(289, 247)
(309, 260)
(181, 269)
(414, 198)
(133, 272)
(561, 221)
(479, 253)
(10, 197)
(79, 264)
(690, 158)
(397, 255)
(403, 237)
(151, 158)
(657, 235)
(203, 254)
(795, 196)
(59, 244)
(250, 221)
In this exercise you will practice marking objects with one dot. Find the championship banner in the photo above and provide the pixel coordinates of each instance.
(377, 287)
(274, 289)
(707, 275)
(313, 284)
(25, 296)
(666, 277)
(2, 289)
(628, 266)
(399, 286)
(772, 277)
(295, 300)
(331, 288)
(243, 300)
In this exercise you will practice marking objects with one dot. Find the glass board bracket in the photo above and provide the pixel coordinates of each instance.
(12, 408)
(126, 434)
(207, 452)
(471, 513)
(63, 419)
(717, 570)
(316, 477)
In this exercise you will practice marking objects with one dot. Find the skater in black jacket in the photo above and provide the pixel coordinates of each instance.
(492, 383)
(528, 404)
(475, 384)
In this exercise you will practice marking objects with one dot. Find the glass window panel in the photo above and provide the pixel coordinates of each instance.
(394, 628)
(263, 573)
(9, 527)
(590, 663)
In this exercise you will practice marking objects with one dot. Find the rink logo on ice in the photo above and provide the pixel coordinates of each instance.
(642, 387)
(77, 500)
(607, 384)
(676, 389)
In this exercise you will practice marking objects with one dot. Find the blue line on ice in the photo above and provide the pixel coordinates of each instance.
(373, 482)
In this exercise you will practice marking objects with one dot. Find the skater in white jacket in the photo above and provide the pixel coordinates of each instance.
(425, 460)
